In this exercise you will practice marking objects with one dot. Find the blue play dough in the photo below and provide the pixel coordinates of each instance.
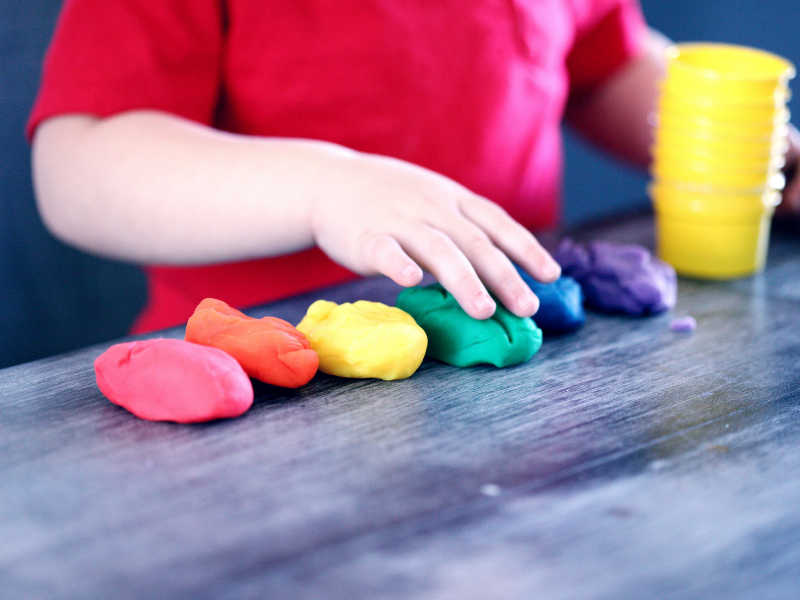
(561, 304)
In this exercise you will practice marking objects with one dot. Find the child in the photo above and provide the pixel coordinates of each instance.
(249, 151)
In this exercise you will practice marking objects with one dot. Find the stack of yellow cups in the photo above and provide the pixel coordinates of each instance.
(719, 149)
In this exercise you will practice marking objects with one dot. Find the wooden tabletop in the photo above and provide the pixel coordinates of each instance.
(623, 461)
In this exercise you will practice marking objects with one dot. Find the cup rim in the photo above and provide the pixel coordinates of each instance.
(678, 53)
(720, 216)
(767, 137)
(707, 181)
(712, 118)
(682, 138)
(777, 98)
(767, 197)
(718, 162)
(670, 97)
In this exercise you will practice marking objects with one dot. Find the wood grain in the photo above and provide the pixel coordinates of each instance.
(624, 461)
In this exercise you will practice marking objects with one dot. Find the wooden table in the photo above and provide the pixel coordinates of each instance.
(624, 461)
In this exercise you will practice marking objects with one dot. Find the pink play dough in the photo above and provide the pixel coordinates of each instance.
(173, 380)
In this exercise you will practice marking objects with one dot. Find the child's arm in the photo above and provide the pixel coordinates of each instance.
(791, 194)
(618, 115)
(153, 188)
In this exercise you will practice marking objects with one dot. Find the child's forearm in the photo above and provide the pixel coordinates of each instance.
(154, 188)
(149, 187)
(791, 194)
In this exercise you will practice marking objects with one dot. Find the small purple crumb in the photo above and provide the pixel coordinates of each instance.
(683, 324)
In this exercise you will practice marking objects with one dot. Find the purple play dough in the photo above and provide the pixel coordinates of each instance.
(683, 324)
(619, 278)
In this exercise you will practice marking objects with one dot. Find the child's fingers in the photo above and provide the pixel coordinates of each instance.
(495, 270)
(426, 220)
(385, 255)
(513, 239)
(440, 256)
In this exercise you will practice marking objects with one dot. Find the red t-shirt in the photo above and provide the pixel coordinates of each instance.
(472, 89)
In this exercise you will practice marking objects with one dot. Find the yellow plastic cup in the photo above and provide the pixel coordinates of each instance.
(753, 132)
(705, 97)
(692, 105)
(727, 71)
(709, 95)
(722, 131)
(698, 142)
(696, 158)
(688, 116)
(754, 200)
(730, 180)
(712, 235)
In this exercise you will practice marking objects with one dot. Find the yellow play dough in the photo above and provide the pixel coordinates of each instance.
(364, 339)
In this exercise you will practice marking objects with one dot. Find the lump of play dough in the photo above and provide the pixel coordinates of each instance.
(619, 278)
(364, 339)
(173, 380)
(683, 324)
(457, 339)
(269, 349)
(560, 303)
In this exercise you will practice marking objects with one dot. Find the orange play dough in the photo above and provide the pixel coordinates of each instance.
(269, 349)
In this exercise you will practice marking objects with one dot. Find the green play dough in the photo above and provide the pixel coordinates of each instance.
(457, 339)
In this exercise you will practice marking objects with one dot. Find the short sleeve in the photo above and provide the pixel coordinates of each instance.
(609, 34)
(116, 55)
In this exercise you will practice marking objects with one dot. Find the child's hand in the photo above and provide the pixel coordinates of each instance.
(159, 189)
(380, 215)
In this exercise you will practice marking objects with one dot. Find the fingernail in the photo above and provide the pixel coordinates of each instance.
(551, 269)
(484, 302)
(409, 271)
(527, 301)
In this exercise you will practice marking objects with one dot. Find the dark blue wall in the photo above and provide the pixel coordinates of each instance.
(595, 184)
(52, 298)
